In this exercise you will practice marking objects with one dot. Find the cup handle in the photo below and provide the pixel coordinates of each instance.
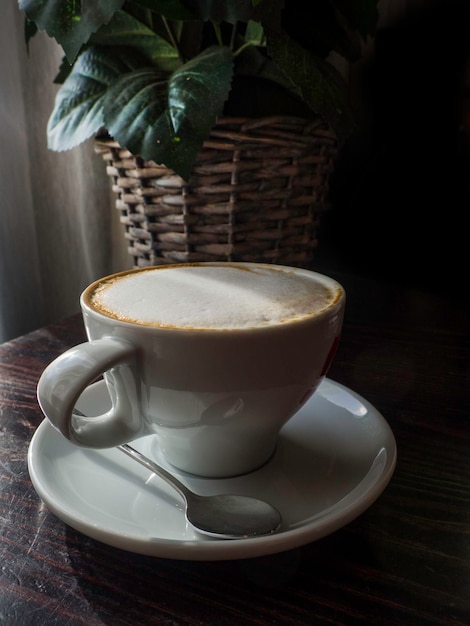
(65, 379)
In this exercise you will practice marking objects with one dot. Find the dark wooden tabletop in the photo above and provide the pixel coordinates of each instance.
(405, 561)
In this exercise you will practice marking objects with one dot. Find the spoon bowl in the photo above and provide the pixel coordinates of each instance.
(226, 516)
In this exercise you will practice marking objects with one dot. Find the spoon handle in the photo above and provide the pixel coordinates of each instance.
(150, 465)
(156, 469)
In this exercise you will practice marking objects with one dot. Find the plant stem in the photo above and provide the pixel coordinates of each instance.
(174, 43)
(241, 48)
(218, 34)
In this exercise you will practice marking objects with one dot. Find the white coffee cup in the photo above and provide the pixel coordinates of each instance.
(211, 358)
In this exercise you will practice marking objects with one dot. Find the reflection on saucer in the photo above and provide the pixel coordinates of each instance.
(329, 467)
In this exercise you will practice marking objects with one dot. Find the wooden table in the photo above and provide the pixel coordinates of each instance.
(405, 561)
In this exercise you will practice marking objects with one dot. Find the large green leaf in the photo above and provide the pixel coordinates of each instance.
(70, 22)
(126, 30)
(167, 122)
(316, 82)
(77, 113)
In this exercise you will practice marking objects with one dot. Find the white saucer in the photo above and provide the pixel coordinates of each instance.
(333, 459)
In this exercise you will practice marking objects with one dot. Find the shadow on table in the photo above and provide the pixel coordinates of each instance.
(124, 588)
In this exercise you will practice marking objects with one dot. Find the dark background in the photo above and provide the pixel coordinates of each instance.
(400, 191)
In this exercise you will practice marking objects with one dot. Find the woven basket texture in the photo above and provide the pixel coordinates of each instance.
(256, 193)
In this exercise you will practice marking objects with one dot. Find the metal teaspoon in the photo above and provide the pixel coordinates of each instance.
(225, 516)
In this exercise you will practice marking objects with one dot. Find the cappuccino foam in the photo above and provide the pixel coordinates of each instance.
(203, 296)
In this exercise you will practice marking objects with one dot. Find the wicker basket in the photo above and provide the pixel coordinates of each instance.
(256, 193)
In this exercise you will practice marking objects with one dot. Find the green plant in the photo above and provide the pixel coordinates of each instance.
(157, 73)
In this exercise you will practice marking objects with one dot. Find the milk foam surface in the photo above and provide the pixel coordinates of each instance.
(211, 296)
